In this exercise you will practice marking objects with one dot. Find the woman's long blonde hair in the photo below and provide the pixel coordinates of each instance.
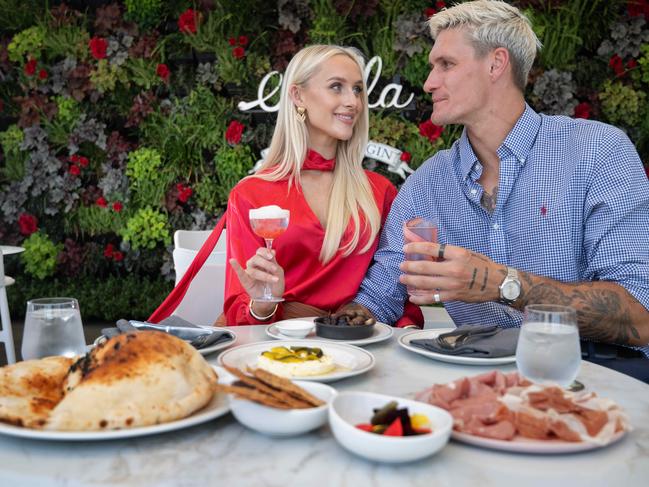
(351, 193)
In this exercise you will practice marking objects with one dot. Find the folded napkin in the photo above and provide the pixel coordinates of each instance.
(473, 341)
(176, 326)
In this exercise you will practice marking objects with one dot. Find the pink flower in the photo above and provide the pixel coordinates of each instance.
(233, 132)
(74, 170)
(163, 71)
(405, 156)
(118, 206)
(98, 46)
(30, 67)
(101, 202)
(238, 52)
(431, 131)
(582, 110)
(187, 22)
(27, 223)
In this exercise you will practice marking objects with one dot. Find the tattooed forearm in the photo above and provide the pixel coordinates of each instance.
(606, 312)
(484, 281)
(489, 201)
(475, 271)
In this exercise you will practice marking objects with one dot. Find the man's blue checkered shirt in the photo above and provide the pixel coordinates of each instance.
(573, 205)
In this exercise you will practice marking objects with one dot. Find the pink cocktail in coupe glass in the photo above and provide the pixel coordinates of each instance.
(269, 222)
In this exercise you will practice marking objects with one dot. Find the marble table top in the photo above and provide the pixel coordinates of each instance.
(222, 452)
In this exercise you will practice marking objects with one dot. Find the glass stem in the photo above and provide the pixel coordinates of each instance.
(267, 292)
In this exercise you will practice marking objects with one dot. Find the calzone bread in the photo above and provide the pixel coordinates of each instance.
(29, 390)
(134, 379)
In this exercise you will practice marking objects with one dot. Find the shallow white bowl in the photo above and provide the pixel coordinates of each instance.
(295, 328)
(284, 422)
(351, 408)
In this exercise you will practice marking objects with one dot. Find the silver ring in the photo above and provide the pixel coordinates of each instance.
(436, 297)
(442, 249)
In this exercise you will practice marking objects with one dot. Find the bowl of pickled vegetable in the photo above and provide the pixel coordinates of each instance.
(388, 429)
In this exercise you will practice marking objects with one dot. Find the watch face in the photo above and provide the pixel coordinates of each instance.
(511, 290)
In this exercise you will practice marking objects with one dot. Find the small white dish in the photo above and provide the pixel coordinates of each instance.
(381, 333)
(406, 338)
(281, 422)
(351, 408)
(295, 328)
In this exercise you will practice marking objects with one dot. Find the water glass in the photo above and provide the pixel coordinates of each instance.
(548, 348)
(53, 327)
(419, 230)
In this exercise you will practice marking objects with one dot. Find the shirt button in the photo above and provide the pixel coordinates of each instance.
(474, 191)
(496, 226)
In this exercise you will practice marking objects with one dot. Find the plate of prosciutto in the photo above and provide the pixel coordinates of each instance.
(507, 412)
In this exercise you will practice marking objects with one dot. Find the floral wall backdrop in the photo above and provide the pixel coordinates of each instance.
(120, 121)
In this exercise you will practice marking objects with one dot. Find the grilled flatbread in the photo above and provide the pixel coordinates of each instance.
(134, 379)
(29, 390)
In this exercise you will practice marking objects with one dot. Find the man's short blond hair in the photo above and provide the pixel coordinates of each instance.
(491, 24)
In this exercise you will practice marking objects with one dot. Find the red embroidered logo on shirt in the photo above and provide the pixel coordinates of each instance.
(544, 210)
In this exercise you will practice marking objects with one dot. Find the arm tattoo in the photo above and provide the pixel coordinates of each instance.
(475, 271)
(603, 315)
(484, 281)
(489, 201)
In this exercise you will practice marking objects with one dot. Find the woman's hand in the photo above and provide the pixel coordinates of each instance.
(260, 268)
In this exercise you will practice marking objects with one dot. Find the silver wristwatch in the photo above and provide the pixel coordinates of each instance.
(510, 288)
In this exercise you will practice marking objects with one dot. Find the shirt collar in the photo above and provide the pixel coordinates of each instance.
(518, 142)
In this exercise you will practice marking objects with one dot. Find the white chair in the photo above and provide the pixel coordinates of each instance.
(436, 317)
(203, 302)
(6, 334)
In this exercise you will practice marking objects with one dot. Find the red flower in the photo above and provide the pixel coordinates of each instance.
(582, 110)
(30, 67)
(638, 7)
(429, 12)
(233, 132)
(42, 74)
(109, 250)
(406, 156)
(631, 63)
(243, 40)
(431, 131)
(617, 65)
(74, 170)
(232, 41)
(163, 71)
(440, 5)
(83, 161)
(98, 46)
(28, 224)
(118, 206)
(118, 256)
(101, 202)
(187, 22)
(238, 52)
(184, 192)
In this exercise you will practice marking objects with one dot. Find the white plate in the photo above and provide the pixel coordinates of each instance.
(404, 341)
(525, 445)
(202, 351)
(349, 360)
(217, 407)
(381, 332)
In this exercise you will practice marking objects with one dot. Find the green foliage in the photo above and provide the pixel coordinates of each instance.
(106, 298)
(211, 34)
(643, 64)
(90, 221)
(105, 76)
(621, 104)
(67, 40)
(146, 229)
(27, 42)
(390, 130)
(208, 195)
(329, 27)
(417, 69)
(14, 166)
(148, 176)
(40, 255)
(146, 13)
(232, 164)
(142, 73)
(16, 15)
(194, 124)
(379, 29)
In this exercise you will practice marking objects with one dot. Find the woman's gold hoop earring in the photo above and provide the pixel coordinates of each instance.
(300, 113)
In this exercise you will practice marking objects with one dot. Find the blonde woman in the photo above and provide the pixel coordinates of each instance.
(337, 209)
(313, 169)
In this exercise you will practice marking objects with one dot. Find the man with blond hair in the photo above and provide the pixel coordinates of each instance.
(531, 209)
